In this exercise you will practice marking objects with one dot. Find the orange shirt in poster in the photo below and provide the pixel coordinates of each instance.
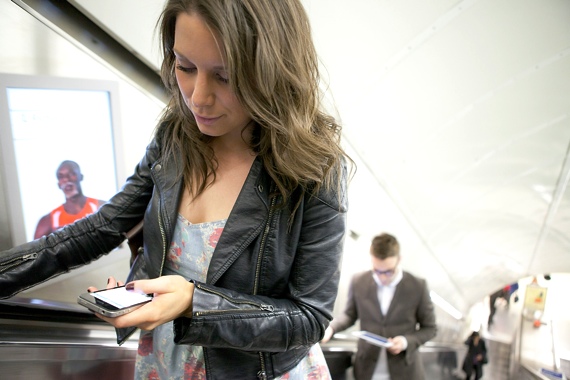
(60, 218)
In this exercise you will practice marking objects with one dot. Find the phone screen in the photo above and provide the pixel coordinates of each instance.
(120, 297)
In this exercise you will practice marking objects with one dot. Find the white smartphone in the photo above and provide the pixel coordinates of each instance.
(113, 302)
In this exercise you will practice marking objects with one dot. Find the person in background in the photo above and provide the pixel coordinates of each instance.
(499, 294)
(505, 294)
(243, 194)
(475, 357)
(392, 303)
(76, 204)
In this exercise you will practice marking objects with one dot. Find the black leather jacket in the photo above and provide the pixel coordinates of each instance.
(271, 283)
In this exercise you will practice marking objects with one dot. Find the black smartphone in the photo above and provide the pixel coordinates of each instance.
(113, 302)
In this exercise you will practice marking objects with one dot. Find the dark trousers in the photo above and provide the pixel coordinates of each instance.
(492, 299)
(477, 373)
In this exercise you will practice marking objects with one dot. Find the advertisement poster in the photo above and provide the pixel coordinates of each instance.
(535, 297)
(63, 145)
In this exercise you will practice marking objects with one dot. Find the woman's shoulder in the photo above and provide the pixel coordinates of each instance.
(335, 194)
(163, 129)
(157, 145)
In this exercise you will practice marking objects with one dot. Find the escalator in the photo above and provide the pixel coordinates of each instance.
(52, 340)
(58, 341)
(441, 361)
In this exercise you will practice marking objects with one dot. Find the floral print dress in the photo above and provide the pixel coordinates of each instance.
(158, 357)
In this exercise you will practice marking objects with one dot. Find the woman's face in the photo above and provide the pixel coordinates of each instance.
(203, 80)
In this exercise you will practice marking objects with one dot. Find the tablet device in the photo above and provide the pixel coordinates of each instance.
(373, 338)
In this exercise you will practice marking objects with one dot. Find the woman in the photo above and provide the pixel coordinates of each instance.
(243, 196)
(476, 356)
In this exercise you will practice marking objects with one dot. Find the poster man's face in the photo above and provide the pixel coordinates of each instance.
(68, 179)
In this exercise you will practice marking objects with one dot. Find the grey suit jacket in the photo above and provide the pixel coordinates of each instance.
(410, 307)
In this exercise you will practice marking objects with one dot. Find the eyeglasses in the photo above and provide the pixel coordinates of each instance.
(387, 273)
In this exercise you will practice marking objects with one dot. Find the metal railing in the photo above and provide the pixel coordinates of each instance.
(58, 341)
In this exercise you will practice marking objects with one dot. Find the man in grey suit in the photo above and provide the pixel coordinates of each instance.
(392, 303)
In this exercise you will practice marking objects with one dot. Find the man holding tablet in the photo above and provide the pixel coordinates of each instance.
(389, 302)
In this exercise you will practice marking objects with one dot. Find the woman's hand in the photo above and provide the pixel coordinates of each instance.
(111, 283)
(329, 332)
(172, 299)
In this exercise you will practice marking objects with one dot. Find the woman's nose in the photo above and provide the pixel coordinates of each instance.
(203, 94)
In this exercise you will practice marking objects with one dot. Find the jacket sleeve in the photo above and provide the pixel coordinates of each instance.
(277, 322)
(427, 327)
(350, 313)
(78, 244)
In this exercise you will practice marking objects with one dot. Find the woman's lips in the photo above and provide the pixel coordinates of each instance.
(206, 120)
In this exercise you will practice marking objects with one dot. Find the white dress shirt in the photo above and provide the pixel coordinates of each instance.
(385, 294)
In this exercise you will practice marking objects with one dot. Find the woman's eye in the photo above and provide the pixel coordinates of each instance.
(222, 78)
(185, 69)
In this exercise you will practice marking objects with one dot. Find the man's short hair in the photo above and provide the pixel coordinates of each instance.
(384, 246)
(71, 164)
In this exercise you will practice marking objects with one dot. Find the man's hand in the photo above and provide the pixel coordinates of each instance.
(399, 344)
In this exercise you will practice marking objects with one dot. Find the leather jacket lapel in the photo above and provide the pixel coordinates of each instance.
(241, 231)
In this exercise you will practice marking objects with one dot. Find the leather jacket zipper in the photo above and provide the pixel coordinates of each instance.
(17, 261)
(163, 235)
(258, 306)
(160, 226)
(262, 374)
(159, 217)
(262, 245)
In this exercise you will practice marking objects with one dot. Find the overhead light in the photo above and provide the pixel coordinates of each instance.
(446, 306)
(544, 192)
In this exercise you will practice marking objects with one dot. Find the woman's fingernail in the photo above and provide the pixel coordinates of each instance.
(130, 286)
(108, 280)
(88, 291)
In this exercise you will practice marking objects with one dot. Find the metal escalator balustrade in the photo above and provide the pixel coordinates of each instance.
(58, 341)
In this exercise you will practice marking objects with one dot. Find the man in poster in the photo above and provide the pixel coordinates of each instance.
(76, 204)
